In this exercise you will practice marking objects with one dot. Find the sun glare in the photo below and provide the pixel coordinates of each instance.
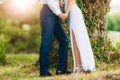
(20, 4)
(1, 1)
(20, 9)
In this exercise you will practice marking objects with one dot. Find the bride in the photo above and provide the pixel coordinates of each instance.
(81, 47)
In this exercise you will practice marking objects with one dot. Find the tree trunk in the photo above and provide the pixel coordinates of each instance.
(95, 12)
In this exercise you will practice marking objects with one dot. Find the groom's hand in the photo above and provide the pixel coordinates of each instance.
(62, 16)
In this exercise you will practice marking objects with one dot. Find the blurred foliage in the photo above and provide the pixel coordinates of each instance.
(117, 62)
(113, 21)
(22, 37)
(118, 46)
(3, 48)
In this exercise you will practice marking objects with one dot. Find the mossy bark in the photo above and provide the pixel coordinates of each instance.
(95, 14)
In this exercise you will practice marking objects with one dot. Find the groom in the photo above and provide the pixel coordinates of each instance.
(50, 24)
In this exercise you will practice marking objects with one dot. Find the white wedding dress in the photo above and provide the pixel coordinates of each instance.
(77, 25)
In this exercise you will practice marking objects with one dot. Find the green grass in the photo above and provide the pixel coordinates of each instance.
(20, 67)
(22, 58)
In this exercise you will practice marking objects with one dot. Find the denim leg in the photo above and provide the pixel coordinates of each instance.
(63, 46)
(47, 35)
(47, 25)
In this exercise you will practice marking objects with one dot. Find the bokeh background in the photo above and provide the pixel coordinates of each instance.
(113, 23)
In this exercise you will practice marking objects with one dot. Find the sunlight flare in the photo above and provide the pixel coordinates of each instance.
(20, 4)
(20, 9)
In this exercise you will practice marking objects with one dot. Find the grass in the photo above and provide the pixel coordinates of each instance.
(22, 58)
(20, 67)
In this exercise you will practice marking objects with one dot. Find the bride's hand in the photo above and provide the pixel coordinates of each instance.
(66, 15)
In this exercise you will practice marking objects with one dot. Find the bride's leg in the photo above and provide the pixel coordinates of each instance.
(77, 54)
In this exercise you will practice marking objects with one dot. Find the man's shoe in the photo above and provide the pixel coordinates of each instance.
(59, 72)
(46, 75)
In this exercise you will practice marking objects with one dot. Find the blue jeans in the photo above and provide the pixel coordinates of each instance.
(51, 26)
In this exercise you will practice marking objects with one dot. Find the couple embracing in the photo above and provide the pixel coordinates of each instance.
(50, 17)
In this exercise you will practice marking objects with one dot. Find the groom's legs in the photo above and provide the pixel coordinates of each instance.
(63, 47)
(47, 33)
(47, 26)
